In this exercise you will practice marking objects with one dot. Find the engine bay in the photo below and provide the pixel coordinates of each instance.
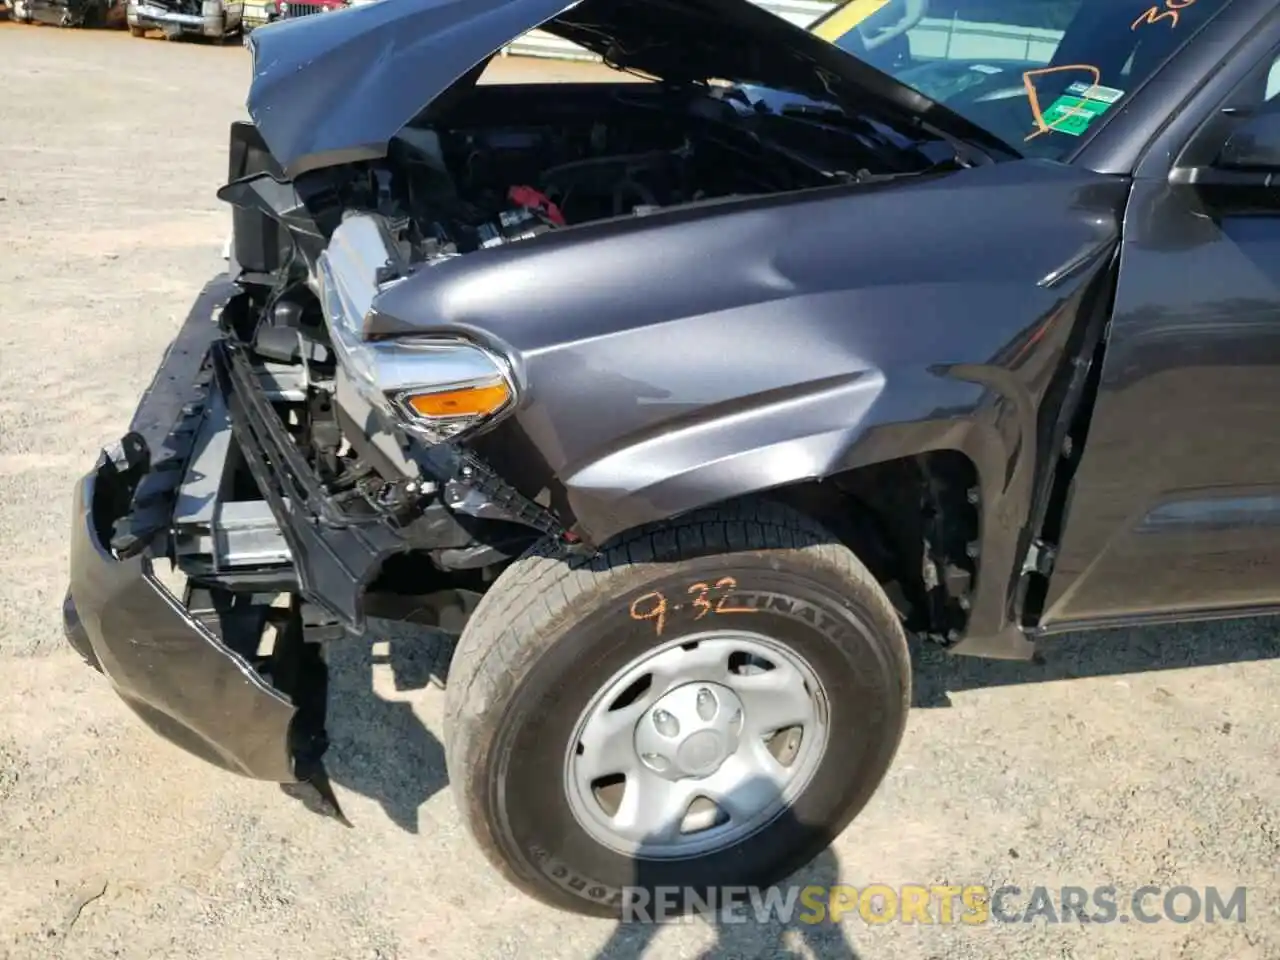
(450, 188)
(508, 164)
(501, 165)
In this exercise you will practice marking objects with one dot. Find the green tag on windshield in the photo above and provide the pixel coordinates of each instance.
(1072, 115)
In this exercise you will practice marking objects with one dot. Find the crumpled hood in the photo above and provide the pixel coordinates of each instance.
(337, 88)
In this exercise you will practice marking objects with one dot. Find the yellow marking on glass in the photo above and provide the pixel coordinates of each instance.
(846, 18)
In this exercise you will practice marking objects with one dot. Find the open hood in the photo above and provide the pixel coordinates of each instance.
(337, 88)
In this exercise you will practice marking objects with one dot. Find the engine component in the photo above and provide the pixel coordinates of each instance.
(532, 199)
(533, 214)
(437, 243)
(520, 224)
(477, 187)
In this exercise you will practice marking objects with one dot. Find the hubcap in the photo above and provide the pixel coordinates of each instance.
(690, 731)
(696, 745)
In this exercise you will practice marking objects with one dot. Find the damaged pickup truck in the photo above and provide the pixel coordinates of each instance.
(701, 395)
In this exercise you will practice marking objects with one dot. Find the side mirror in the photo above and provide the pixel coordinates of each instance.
(1254, 145)
(1246, 169)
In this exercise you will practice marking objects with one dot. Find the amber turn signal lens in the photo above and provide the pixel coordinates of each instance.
(464, 402)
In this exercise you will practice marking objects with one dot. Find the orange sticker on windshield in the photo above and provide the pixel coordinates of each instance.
(1156, 14)
(1037, 114)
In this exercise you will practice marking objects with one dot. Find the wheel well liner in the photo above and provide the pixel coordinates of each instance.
(915, 522)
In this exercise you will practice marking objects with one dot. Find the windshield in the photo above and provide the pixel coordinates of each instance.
(1039, 74)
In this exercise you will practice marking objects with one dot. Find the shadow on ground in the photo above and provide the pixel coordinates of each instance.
(378, 747)
(749, 929)
(1100, 653)
(381, 749)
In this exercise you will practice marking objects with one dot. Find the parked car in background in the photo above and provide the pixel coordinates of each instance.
(258, 13)
(215, 19)
(69, 13)
(306, 8)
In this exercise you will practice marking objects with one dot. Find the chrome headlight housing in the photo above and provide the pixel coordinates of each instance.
(435, 388)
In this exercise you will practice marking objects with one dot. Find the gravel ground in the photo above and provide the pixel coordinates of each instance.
(1126, 758)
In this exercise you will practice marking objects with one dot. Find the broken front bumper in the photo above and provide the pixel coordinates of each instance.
(180, 678)
(187, 666)
(210, 479)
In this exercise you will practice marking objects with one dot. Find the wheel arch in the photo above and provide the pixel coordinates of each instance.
(975, 469)
(919, 516)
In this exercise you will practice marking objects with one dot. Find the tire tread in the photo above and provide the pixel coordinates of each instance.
(524, 610)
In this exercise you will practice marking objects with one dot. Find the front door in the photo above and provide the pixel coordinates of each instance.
(1176, 504)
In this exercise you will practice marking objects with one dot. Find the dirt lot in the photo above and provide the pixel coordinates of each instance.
(1126, 759)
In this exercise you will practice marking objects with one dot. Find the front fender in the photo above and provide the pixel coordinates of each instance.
(983, 412)
(787, 438)
(998, 409)
(699, 354)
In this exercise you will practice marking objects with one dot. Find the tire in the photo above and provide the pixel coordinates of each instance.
(550, 634)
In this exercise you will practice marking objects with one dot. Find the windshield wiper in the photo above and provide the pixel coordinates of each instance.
(965, 153)
(890, 149)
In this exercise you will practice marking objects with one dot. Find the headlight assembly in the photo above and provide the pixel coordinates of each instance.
(436, 388)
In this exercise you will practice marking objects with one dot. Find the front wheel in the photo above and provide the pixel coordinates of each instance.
(706, 703)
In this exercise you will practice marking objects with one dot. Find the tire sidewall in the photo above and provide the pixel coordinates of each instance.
(815, 611)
